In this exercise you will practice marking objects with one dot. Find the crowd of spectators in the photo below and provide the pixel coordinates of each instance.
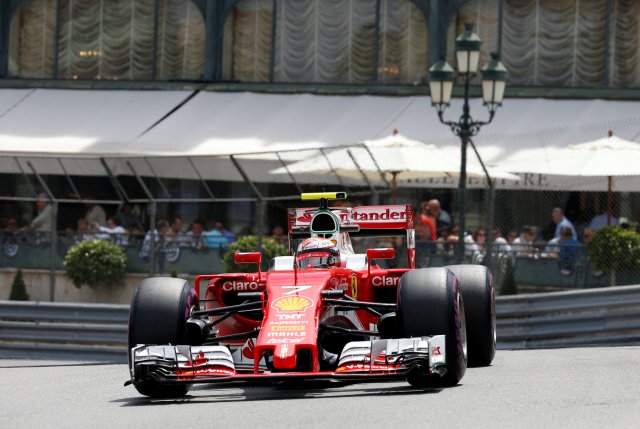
(436, 232)
(124, 228)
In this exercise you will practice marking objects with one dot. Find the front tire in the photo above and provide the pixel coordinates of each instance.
(430, 303)
(476, 286)
(159, 310)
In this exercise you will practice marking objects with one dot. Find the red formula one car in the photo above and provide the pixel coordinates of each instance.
(325, 312)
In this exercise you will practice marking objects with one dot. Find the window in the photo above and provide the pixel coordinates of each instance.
(328, 41)
(107, 39)
(558, 42)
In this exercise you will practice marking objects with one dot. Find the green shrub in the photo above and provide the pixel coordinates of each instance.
(18, 288)
(613, 249)
(95, 263)
(249, 243)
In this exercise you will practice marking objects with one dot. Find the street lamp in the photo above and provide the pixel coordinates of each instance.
(441, 77)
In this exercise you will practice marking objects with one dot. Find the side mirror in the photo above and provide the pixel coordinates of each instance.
(383, 253)
(249, 258)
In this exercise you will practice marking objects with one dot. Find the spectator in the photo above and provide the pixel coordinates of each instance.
(127, 218)
(500, 244)
(179, 236)
(512, 236)
(523, 244)
(425, 236)
(568, 247)
(600, 221)
(560, 220)
(136, 234)
(552, 248)
(587, 236)
(83, 231)
(11, 226)
(278, 235)
(441, 218)
(425, 224)
(95, 214)
(446, 243)
(195, 236)
(113, 232)
(43, 221)
(213, 238)
(160, 233)
(474, 245)
(176, 225)
(229, 235)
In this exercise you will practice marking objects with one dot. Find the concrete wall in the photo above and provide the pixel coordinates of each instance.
(37, 284)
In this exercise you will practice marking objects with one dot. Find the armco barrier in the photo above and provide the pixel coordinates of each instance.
(63, 330)
(557, 319)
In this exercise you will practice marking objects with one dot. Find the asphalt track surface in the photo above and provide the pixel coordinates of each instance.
(559, 388)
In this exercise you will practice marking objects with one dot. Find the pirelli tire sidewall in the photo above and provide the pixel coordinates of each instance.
(158, 313)
(430, 303)
(477, 288)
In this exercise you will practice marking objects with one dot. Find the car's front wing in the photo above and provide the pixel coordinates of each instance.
(359, 361)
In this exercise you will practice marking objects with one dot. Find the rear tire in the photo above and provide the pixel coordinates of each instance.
(476, 286)
(429, 303)
(159, 310)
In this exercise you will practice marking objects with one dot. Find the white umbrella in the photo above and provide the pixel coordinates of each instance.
(388, 158)
(607, 157)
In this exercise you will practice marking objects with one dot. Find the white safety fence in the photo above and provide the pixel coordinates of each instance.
(557, 319)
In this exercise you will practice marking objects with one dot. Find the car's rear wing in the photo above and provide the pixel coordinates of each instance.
(389, 220)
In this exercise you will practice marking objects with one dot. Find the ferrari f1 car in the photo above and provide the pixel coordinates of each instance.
(322, 313)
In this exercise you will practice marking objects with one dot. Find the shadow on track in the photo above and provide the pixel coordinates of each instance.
(205, 394)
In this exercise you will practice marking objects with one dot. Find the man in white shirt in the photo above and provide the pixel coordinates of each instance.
(43, 222)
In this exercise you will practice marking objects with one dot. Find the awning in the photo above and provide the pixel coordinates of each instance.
(78, 130)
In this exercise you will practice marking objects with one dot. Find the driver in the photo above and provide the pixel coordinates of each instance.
(316, 252)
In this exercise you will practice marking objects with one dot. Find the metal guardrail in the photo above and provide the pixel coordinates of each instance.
(560, 319)
(63, 330)
(557, 319)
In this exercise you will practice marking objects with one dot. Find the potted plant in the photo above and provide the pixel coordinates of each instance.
(95, 263)
(249, 243)
(613, 249)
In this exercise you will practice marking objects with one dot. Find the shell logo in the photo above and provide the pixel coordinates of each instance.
(291, 303)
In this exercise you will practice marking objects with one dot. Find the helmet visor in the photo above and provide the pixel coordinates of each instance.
(316, 260)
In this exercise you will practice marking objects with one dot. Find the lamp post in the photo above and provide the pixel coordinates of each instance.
(441, 77)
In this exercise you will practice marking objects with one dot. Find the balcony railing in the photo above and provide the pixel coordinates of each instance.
(185, 255)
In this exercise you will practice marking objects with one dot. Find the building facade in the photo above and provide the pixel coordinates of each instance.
(548, 43)
(550, 47)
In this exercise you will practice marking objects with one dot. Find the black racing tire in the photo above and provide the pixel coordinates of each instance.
(476, 286)
(429, 303)
(159, 310)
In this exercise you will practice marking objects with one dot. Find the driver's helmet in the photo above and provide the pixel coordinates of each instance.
(316, 252)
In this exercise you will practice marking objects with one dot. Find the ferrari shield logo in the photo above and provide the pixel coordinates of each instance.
(354, 286)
